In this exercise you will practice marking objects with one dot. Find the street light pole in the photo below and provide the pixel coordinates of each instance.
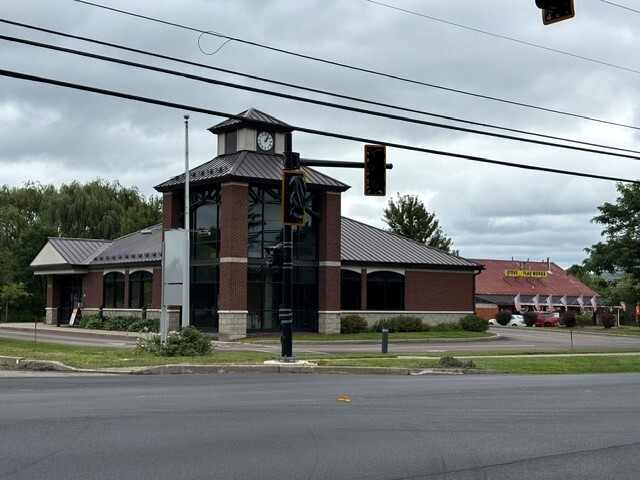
(187, 225)
(286, 310)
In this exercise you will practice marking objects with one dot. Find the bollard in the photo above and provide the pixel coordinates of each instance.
(385, 340)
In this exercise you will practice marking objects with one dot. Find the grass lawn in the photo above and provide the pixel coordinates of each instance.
(568, 362)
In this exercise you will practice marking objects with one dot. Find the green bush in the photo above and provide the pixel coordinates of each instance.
(530, 318)
(188, 342)
(446, 327)
(569, 318)
(503, 318)
(583, 319)
(353, 324)
(608, 320)
(401, 323)
(120, 324)
(474, 323)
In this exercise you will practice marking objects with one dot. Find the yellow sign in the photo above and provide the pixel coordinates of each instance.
(525, 273)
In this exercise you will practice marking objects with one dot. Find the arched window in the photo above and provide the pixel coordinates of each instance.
(385, 291)
(350, 290)
(113, 289)
(140, 289)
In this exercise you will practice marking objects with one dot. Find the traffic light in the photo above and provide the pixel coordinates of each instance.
(555, 10)
(375, 170)
(294, 193)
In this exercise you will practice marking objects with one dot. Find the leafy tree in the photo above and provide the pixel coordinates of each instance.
(407, 216)
(621, 248)
(10, 294)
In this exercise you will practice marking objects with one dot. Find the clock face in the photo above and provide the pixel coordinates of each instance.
(265, 141)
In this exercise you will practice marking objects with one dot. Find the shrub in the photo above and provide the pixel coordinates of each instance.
(92, 322)
(503, 318)
(530, 318)
(474, 323)
(608, 320)
(401, 324)
(583, 319)
(188, 342)
(353, 324)
(447, 327)
(453, 362)
(569, 318)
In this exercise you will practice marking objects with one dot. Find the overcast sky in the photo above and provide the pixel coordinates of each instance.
(587, 66)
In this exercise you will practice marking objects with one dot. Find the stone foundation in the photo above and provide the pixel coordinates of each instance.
(329, 322)
(429, 318)
(232, 324)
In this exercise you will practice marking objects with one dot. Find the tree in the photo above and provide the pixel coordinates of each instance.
(407, 216)
(620, 251)
(10, 294)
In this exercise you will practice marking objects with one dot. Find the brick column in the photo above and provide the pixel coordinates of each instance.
(171, 208)
(234, 237)
(329, 264)
(363, 289)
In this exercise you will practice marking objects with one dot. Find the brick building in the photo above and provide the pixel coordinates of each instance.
(340, 265)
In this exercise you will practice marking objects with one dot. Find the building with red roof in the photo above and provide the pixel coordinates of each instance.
(507, 284)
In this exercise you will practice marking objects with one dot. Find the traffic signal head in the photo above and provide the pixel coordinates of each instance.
(294, 194)
(375, 170)
(555, 10)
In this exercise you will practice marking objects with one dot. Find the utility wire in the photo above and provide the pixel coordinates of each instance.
(360, 69)
(192, 108)
(308, 89)
(312, 101)
(620, 6)
(511, 39)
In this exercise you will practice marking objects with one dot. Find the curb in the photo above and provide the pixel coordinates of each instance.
(16, 363)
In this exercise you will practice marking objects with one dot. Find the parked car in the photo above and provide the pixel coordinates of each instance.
(516, 321)
(547, 319)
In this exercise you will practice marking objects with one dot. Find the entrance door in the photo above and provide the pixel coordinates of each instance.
(70, 296)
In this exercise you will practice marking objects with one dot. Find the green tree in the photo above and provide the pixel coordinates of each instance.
(620, 250)
(10, 294)
(407, 216)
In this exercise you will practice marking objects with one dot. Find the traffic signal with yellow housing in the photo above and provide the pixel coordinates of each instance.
(555, 10)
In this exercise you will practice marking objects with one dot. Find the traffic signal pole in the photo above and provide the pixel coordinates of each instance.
(286, 310)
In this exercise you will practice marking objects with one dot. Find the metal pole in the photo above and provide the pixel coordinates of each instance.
(187, 225)
(286, 311)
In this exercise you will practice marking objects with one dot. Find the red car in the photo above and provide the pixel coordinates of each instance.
(547, 320)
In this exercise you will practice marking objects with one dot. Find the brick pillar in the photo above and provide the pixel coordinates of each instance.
(329, 264)
(171, 209)
(363, 289)
(234, 237)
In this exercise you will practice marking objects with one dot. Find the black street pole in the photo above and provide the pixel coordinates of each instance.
(286, 311)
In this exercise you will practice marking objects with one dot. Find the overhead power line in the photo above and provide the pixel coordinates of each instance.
(192, 108)
(511, 39)
(312, 101)
(311, 90)
(620, 6)
(355, 68)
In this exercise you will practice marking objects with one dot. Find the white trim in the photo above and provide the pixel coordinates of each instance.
(70, 271)
(233, 260)
(357, 270)
(329, 264)
(239, 184)
(141, 269)
(113, 270)
(400, 271)
(244, 312)
(433, 270)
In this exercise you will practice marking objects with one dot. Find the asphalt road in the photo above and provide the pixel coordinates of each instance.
(290, 426)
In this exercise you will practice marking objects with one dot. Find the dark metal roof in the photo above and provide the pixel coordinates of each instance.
(138, 247)
(251, 117)
(248, 166)
(364, 244)
(77, 251)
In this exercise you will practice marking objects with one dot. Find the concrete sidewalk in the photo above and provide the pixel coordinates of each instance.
(66, 330)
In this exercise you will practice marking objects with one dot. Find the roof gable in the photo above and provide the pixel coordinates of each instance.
(253, 117)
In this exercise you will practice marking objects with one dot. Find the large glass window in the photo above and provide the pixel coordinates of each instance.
(385, 291)
(205, 288)
(206, 222)
(113, 290)
(350, 290)
(264, 297)
(140, 289)
(265, 225)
